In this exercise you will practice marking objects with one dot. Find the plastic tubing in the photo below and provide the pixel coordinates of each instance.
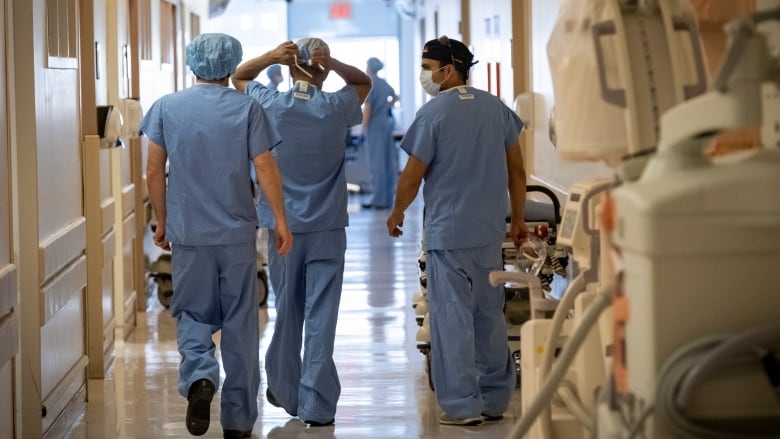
(560, 315)
(548, 389)
(740, 343)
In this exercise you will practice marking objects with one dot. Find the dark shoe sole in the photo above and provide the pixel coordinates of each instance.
(236, 434)
(486, 418)
(199, 407)
(319, 424)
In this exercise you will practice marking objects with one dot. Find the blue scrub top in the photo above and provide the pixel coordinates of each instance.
(462, 135)
(314, 125)
(210, 133)
(380, 117)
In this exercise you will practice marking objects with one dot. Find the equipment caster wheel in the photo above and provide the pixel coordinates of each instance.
(262, 287)
(164, 290)
(516, 359)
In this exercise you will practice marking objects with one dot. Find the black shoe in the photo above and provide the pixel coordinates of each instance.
(272, 400)
(366, 206)
(319, 424)
(236, 434)
(199, 407)
(488, 418)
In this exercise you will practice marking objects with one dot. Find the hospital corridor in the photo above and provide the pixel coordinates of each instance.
(385, 392)
(522, 219)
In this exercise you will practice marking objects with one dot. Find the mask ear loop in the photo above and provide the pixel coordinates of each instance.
(301, 68)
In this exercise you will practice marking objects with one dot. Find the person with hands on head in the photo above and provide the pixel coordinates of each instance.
(308, 282)
(378, 124)
(464, 144)
(209, 134)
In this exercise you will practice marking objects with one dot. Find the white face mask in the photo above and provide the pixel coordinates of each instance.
(427, 83)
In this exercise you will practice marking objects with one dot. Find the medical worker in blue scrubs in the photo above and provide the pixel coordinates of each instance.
(209, 134)
(275, 78)
(464, 144)
(378, 124)
(308, 281)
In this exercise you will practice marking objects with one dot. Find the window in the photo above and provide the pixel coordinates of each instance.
(167, 31)
(62, 33)
(145, 29)
(194, 25)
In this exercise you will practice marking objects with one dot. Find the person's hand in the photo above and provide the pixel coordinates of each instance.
(286, 53)
(284, 239)
(519, 230)
(394, 224)
(159, 237)
(320, 58)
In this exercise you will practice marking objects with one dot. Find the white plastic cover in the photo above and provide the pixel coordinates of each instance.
(133, 114)
(113, 129)
(524, 107)
(615, 71)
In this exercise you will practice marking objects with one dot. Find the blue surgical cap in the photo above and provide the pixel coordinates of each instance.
(214, 56)
(273, 71)
(374, 64)
(307, 46)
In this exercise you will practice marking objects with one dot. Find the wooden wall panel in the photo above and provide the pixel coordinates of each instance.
(7, 381)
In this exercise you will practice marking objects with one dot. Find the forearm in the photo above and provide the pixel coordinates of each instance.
(350, 74)
(156, 183)
(406, 192)
(517, 194)
(516, 182)
(271, 184)
(249, 70)
(156, 186)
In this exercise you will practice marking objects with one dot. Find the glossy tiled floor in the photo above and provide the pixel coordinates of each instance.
(385, 391)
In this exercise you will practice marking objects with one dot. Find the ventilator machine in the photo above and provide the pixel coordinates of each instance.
(671, 328)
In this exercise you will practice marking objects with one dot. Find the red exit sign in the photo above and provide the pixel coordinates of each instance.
(340, 10)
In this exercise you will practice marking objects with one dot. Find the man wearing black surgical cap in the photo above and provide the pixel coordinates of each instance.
(204, 207)
(464, 144)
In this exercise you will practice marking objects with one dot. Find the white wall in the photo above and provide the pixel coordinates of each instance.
(491, 39)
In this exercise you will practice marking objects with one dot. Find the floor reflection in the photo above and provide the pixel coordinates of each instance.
(385, 391)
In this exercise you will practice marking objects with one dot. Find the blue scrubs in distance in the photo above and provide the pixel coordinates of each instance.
(382, 156)
(211, 133)
(308, 280)
(462, 135)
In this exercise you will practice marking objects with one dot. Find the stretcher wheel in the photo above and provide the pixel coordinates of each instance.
(164, 289)
(428, 369)
(262, 287)
(516, 358)
(425, 349)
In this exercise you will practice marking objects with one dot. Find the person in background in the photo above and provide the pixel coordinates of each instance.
(206, 216)
(275, 78)
(378, 124)
(308, 281)
(464, 144)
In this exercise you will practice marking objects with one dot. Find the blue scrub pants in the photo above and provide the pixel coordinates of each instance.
(307, 283)
(472, 368)
(215, 287)
(383, 164)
